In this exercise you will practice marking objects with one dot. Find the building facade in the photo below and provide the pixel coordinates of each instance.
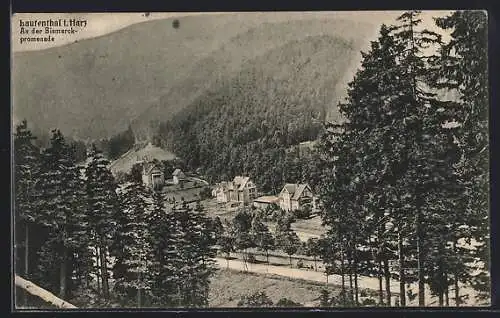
(295, 196)
(240, 189)
(152, 176)
(178, 176)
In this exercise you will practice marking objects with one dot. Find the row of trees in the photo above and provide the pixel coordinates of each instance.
(75, 226)
(248, 230)
(405, 177)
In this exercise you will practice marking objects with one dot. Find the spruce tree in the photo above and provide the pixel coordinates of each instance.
(26, 169)
(463, 70)
(102, 203)
(62, 211)
(164, 234)
(392, 159)
(196, 252)
(132, 249)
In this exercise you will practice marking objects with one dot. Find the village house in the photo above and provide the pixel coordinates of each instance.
(241, 189)
(220, 192)
(266, 201)
(295, 196)
(152, 175)
(178, 176)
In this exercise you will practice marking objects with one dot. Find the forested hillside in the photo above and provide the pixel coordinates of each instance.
(146, 72)
(248, 123)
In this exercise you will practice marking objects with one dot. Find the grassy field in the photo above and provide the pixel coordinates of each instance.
(228, 286)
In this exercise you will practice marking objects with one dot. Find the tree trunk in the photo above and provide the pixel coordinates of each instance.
(267, 257)
(315, 267)
(104, 273)
(455, 280)
(139, 297)
(98, 270)
(342, 273)
(421, 283)
(447, 295)
(41, 293)
(402, 276)
(387, 275)
(355, 265)
(62, 277)
(380, 284)
(356, 294)
(26, 261)
(418, 189)
(351, 287)
(290, 258)
(440, 299)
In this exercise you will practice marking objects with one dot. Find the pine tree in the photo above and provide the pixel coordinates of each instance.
(26, 169)
(392, 159)
(196, 255)
(463, 69)
(102, 203)
(164, 234)
(59, 198)
(132, 248)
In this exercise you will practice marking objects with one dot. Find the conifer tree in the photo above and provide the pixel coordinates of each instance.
(164, 234)
(392, 159)
(26, 168)
(132, 248)
(102, 203)
(196, 255)
(463, 69)
(62, 212)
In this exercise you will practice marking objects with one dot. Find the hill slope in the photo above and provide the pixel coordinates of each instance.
(139, 152)
(247, 123)
(94, 88)
(231, 57)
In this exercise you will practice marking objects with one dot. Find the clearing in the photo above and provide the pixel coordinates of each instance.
(228, 286)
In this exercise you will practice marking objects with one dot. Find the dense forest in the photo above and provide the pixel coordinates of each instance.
(251, 124)
(88, 239)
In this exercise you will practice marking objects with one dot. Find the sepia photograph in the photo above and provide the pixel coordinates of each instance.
(175, 160)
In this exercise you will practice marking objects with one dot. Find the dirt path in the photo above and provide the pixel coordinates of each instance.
(364, 282)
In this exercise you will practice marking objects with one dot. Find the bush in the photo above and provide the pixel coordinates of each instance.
(205, 193)
(300, 264)
(258, 299)
(251, 259)
(369, 302)
(285, 302)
